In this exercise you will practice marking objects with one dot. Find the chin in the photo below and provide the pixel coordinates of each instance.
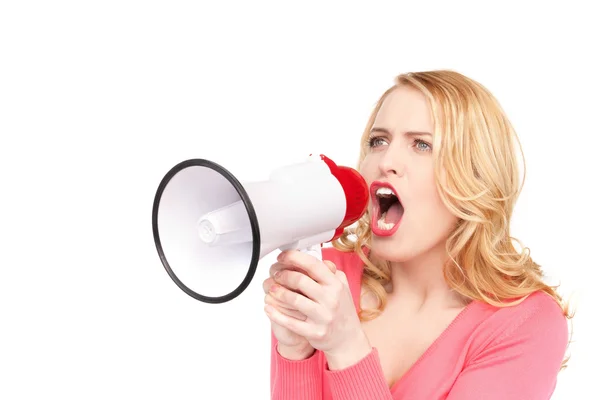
(394, 249)
(391, 249)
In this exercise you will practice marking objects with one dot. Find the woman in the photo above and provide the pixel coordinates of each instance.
(427, 298)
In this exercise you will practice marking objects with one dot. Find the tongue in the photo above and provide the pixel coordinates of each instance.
(393, 214)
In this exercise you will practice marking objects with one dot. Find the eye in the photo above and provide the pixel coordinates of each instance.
(375, 141)
(422, 145)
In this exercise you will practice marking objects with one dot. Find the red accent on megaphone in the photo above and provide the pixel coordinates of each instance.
(356, 191)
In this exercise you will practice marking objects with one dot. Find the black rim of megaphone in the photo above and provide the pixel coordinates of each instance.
(253, 223)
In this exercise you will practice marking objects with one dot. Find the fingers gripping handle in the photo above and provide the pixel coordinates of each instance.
(316, 251)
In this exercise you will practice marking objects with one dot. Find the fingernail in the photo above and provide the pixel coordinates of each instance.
(274, 288)
(277, 274)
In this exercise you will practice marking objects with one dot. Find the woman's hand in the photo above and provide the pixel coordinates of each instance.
(321, 293)
(290, 345)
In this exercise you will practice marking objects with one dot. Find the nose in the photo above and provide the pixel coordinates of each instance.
(391, 162)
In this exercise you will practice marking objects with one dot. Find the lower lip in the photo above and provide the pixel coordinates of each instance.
(383, 232)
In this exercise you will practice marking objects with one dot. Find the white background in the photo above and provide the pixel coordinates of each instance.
(98, 100)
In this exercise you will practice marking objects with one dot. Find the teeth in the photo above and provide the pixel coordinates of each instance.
(381, 224)
(384, 191)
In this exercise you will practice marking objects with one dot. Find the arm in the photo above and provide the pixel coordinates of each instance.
(359, 381)
(522, 363)
(322, 293)
(295, 380)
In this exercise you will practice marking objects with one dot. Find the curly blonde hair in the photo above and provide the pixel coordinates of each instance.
(477, 177)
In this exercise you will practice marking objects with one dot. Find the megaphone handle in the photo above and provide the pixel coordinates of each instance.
(314, 250)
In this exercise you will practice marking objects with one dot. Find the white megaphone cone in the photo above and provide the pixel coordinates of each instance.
(211, 230)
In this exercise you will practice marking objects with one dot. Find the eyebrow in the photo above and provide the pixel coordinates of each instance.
(408, 133)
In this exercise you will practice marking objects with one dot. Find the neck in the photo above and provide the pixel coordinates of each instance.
(420, 281)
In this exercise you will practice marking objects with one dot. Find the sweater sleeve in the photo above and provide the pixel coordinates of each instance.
(295, 380)
(522, 361)
(363, 380)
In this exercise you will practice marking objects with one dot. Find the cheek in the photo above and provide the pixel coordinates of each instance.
(423, 180)
(366, 169)
(441, 215)
(430, 204)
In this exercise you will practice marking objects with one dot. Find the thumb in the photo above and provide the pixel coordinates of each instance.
(331, 266)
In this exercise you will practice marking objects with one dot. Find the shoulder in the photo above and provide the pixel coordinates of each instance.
(536, 326)
(539, 311)
(515, 352)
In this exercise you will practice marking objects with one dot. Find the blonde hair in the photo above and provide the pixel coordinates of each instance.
(477, 176)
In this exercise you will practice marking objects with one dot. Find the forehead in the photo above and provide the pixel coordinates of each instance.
(405, 109)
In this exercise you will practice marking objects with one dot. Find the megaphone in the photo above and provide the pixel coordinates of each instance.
(211, 230)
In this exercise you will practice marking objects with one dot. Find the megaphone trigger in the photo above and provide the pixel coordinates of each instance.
(315, 251)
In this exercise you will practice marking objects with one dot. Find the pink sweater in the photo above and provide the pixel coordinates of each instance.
(486, 353)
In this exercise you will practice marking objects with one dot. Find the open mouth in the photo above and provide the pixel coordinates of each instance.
(387, 212)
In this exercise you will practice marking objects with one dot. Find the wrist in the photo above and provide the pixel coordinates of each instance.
(353, 352)
(295, 353)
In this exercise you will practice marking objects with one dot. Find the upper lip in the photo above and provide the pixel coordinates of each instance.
(379, 184)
